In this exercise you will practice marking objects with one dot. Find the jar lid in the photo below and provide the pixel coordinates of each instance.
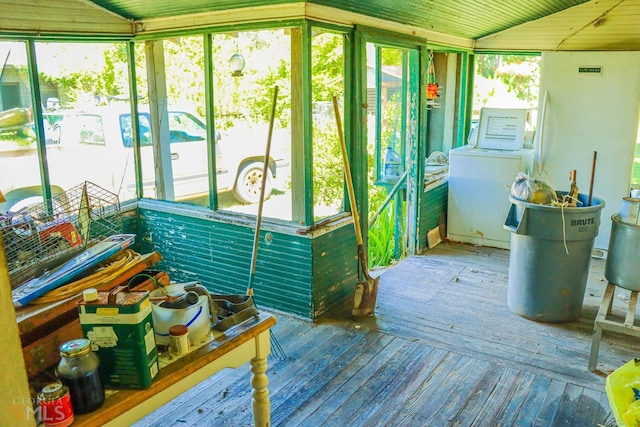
(90, 295)
(75, 348)
(52, 391)
(178, 330)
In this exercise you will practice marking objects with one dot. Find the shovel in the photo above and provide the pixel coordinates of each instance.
(364, 300)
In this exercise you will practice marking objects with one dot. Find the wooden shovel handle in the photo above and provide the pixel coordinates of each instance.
(347, 174)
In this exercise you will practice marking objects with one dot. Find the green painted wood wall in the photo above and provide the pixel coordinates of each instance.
(433, 209)
(302, 274)
(335, 266)
(294, 273)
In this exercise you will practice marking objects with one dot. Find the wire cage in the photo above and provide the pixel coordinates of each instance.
(44, 235)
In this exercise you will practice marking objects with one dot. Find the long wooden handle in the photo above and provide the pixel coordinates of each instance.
(347, 174)
(593, 173)
(265, 169)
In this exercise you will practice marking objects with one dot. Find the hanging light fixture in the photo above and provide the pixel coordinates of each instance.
(237, 64)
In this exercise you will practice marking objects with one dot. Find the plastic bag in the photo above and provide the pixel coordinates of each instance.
(437, 158)
(623, 388)
(532, 190)
(631, 416)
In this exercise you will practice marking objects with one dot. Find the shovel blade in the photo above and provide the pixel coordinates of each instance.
(364, 300)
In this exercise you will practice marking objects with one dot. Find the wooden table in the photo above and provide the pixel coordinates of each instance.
(247, 342)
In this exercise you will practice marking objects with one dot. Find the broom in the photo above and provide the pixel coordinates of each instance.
(278, 352)
(366, 293)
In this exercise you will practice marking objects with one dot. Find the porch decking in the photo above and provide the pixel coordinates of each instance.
(443, 349)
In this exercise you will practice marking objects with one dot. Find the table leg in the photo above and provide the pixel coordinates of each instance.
(260, 393)
(595, 346)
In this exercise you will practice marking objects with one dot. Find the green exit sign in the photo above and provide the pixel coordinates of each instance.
(590, 70)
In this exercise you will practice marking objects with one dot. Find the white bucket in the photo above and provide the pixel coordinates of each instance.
(196, 317)
(630, 210)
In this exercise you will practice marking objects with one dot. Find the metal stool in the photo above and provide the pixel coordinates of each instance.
(603, 324)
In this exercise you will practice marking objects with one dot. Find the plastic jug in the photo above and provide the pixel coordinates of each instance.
(392, 165)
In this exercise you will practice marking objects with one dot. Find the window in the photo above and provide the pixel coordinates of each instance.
(392, 134)
(507, 81)
(91, 131)
(327, 56)
(635, 175)
(127, 134)
(80, 82)
(184, 127)
(243, 103)
(19, 167)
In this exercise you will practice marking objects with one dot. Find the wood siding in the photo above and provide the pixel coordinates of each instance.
(71, 17)
(595, 25)
(443, 21)
(480, 25)
(433, 210)
(306, 275)
(294, 273)
(335, 269)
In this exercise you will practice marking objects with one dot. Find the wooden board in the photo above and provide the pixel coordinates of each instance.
(442, 349)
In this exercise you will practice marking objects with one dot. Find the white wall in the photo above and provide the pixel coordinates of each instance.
(587, 113)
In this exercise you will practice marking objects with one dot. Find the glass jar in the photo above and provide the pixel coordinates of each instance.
(78, 370)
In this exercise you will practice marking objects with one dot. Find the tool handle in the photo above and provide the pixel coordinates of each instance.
(593, 173)
(347, 174)
(265, 168)
(543, 115)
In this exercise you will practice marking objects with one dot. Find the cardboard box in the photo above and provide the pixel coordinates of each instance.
(120, 327)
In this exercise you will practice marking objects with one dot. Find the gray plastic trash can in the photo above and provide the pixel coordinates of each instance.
(545, 283)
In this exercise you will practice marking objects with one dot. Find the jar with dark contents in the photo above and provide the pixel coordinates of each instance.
(78, 370)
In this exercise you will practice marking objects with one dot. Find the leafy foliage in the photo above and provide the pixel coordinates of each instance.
(381, 234)
(327, 81)
(520, 73)
(328, 183)
(102, 74)
(281, 77)
(327, 64)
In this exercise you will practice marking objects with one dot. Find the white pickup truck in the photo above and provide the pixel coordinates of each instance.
(96, 145)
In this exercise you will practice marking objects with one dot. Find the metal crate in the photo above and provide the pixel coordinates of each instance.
(44, 235)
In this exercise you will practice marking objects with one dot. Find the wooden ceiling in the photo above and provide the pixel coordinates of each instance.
(469, 19)
(470, 24)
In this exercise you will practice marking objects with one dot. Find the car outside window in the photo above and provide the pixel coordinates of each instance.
(91, 130)
(183, 127)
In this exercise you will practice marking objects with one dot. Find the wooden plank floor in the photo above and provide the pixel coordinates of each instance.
(442, 350)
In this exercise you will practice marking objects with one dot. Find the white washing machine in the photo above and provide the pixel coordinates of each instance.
(480, 182)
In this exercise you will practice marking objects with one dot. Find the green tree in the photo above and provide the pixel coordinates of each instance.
(85, 70)
(327, 82)
(520, 73)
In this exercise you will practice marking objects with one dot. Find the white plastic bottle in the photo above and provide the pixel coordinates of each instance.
(392, 165)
